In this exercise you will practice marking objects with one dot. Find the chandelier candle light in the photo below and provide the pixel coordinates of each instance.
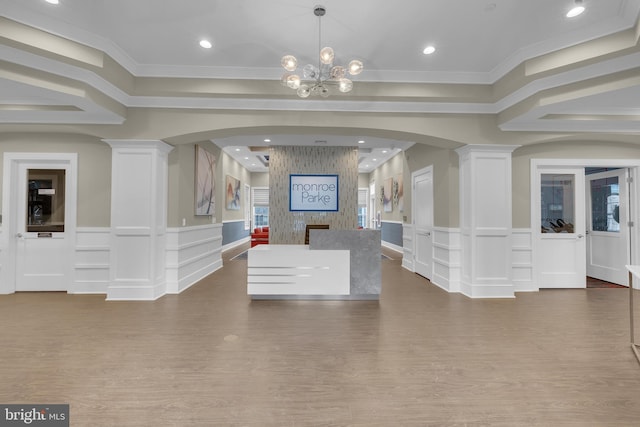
(316, 80)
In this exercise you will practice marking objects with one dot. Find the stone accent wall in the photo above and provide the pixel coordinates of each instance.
(287, 227)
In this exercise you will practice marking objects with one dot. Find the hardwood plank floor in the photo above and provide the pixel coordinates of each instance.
(418, 357)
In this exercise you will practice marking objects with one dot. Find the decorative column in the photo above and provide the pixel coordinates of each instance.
(139, 188)
(486, 221)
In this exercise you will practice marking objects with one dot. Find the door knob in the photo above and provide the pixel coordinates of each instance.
(580, 236)
(19, 235)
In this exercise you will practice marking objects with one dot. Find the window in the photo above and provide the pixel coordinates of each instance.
(605, 204)
(557, 203)
(363, 194)
(45, 200)
(261, 216)
(260, 206)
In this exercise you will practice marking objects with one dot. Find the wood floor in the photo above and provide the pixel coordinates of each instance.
(418, 357)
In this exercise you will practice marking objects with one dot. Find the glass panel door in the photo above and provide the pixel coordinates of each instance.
(560, 248)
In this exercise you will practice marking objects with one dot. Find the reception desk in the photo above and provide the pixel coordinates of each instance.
(290, 271)
(337, 264)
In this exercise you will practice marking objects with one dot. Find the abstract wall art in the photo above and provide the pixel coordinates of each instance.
(205, 182)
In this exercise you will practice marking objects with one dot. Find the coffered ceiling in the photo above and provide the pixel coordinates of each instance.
(520, 62)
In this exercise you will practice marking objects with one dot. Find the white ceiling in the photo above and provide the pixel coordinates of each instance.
(477, 41)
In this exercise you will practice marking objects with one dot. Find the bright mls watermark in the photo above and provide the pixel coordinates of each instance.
(34, 415)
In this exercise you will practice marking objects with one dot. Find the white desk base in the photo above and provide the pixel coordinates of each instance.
(295, 272)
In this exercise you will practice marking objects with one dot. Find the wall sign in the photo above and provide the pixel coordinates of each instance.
(313, 193)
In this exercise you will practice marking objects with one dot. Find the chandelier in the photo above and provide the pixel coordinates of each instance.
(315, 80)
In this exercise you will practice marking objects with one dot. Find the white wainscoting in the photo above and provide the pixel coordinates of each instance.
(407, 247)
(192, 254)
(522, 260)
(446, 256)
(447, 252)
(92, 261)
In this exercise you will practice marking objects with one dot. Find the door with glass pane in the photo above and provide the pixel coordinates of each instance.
(42, 238)
(561, 243)
(607, 226)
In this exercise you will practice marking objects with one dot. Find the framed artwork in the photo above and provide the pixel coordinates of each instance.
(247, 206)
(232, 197)
(205, 182)
(398, 193)
(387, 195)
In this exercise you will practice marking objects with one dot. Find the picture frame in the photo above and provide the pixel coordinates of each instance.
(387, 195)
(205, 163)
(314, 193)
(233, 191)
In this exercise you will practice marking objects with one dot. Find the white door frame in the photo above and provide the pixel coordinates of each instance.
(10, 190)
(634, 174)
(414, 174)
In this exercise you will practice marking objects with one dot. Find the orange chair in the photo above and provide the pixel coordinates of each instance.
(260, 236)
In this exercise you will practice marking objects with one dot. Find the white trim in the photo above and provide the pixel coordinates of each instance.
(393, 247)
(407, 246)
(67, 161)
(522, 260)
(423, 171)
(232, 220)
(447, 254)
(634, 202)
(92, 266)
(192, 253)
(236, 243)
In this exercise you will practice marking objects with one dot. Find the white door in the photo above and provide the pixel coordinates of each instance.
(561, 243)
(607, 226)
(423, 221)
(41, 223)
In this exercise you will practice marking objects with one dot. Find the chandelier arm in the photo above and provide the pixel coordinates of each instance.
(319, 78)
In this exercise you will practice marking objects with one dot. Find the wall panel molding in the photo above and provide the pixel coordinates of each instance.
(192, 253)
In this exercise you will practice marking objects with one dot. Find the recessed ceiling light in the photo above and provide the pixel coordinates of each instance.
(384, 151)
(267, 140)
(577, 9)
(52, 1)
(375, 160)
(361, 142)
(429, 50)
(246, 158)
(237, 149)
(205, 44)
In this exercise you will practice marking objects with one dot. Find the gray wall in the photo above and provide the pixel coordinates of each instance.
(259, 179)
(94, 169)
(181, 199)
(446, 180)
(557, 150)
(391, 169)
